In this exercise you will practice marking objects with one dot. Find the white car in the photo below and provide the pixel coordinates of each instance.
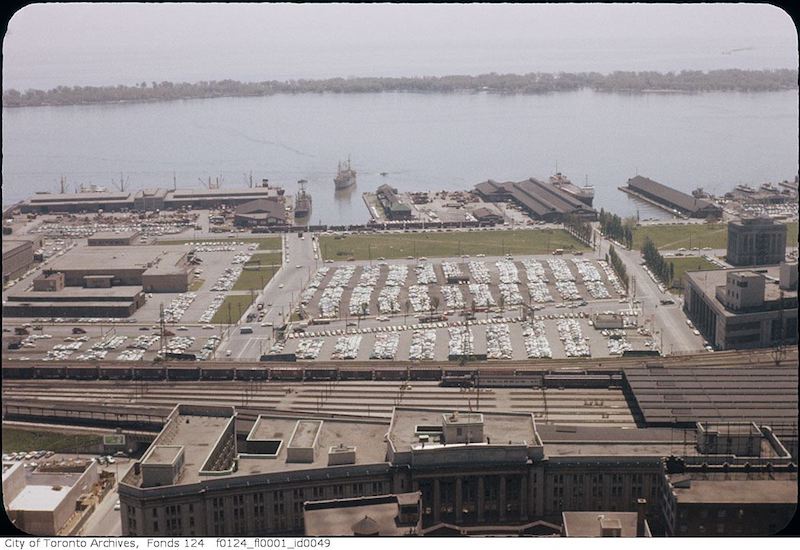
(116, 506)
(280, 285)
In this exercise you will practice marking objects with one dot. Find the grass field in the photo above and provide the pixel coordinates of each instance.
(265, 258)
(439, 245)
(682, 265)
(264, 243)
(24, 440)
(236, 304)
(672, 237)
(714, 235)
(255, 279)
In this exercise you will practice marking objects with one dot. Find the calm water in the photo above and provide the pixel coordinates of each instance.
(424, 142)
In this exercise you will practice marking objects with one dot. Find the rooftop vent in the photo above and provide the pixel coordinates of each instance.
(341, 454)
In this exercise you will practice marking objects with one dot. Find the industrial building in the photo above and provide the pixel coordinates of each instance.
(49, 281)
(41, 501)
(144, 200)
(737, 309)
(17, 258)
(491, 471)
(110, 238)
(673, 199)
(756, 241)
(606, 524)
(540, 200)
(120, 301)
(393, 207)
(487, 215)
(156, 269)
(261, 212)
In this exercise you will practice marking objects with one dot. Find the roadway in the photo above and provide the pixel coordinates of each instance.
(105, 521)
(279, 297)
(668, 320)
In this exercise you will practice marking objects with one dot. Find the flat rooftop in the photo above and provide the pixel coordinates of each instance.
(590, 524)
(740, 489)
(221, 193)
(115, 257)
(498, 428)
(163, 454)
(305, 432)
(114, 235)
(364, 433)
(77, 294)
(197, 435)
(708, 281)
(44, 491)
(343, 517)
(78, 197)
(576, 441)
(766, 395)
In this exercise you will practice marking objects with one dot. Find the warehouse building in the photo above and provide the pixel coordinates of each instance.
(152, 267)
(110, 238)
(494, 470)
(49, 281)
(393, 207)
(41, 501)
(119, 302)
(738, 309)
(756, 241)
(685, 204)
(17, 258)
(261, 212)
(539, 200)
(144, 200)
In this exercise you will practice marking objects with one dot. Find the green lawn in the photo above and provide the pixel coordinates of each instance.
(714, 235)
(266, 258)
(682, 265)
(438, 245)
(24, 440)
(264, 243)
(672, 237)
(229, 315)
(255, 279)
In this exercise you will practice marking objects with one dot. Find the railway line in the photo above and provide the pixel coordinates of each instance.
(361, 370)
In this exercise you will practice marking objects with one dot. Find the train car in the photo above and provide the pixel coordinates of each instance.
(83, 372)
(49, 371)
(251, 373)
(18, 372)
(355, 374)
(508, 381)
(183, 372)
(421, 373)
(320, 373)
(388, 373)
(115, 373)
(286, 374)
(217, 374)
(151, 372)
(580, 380)
(457, 379)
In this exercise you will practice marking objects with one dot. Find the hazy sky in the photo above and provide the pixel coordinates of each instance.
(100, 44)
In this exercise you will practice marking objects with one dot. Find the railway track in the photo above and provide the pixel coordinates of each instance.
(362, 370)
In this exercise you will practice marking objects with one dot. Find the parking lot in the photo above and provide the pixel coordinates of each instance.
(502, 307)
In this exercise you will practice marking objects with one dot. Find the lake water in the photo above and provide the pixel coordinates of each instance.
(424, 142)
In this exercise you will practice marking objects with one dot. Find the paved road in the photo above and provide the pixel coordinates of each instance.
(105, 521)
(669, 320)
(282, 292)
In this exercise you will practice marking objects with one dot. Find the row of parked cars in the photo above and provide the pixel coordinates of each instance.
(30, 455)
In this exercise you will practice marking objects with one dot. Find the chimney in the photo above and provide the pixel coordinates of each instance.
(641, 510)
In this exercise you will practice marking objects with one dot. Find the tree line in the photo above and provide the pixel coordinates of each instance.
(530, 83)
(611, 225)
(579, 228)
(661, 268)
(619, 266)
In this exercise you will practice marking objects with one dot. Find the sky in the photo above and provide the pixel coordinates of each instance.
(107, 44)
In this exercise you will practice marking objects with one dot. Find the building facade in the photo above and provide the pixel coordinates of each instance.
(756, 241)
(470, 469)
(738, 309)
